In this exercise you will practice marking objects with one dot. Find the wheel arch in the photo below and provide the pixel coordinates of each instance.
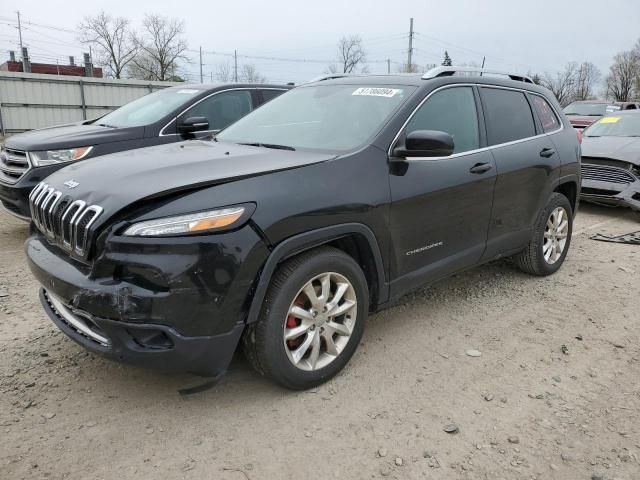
(355, 239)
(569, 187)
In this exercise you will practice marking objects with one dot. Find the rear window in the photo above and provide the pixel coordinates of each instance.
(508, 115)
(585, 109)
(546, 114)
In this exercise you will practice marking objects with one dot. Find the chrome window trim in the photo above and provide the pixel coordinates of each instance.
(250, 89)
(478, 150)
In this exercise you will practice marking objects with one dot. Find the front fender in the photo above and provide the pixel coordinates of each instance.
(306, 241)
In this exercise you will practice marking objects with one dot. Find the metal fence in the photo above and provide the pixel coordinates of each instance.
(29, 101)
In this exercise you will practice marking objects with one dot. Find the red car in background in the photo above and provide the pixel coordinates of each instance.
(584, 112)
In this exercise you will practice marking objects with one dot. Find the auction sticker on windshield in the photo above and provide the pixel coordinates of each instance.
(377, 92)
(610, 120)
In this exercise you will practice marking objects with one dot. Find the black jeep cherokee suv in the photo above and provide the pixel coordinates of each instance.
(284, 232)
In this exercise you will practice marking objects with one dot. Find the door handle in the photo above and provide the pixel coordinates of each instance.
(547, 152)
(481, 168)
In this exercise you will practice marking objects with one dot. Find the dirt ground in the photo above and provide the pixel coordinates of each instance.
(554, 395)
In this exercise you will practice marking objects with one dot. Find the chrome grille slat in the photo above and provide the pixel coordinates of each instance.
(603, 173)
(62, 220)
(13, 165)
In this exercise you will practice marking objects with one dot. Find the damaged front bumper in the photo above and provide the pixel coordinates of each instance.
(609, 185)
(175, 306)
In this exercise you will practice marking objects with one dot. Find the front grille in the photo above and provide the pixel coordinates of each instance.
(62, 220)
(604, 173)
(13, 165)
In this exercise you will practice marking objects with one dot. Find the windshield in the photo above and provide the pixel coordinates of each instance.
(320, 117)
(615, 126)
(587, 109)
(148, 109)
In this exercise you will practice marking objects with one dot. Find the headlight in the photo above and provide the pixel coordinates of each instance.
(50, 157)
(193, 223)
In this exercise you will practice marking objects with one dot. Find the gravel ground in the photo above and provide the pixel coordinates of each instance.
(553, 395)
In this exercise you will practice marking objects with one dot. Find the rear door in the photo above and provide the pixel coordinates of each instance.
(526, 161)
(441, 207)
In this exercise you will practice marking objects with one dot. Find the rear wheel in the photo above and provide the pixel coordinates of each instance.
(311, 321)
(551, 238)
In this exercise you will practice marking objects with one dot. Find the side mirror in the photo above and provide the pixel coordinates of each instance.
(192, 124)
(426, 143)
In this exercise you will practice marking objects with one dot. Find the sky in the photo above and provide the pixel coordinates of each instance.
(295, 40)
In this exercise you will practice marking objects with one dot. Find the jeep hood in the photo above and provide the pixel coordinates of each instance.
(626, 149)
(117, 180)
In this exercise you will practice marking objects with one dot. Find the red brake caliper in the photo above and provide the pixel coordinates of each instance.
(293, 322)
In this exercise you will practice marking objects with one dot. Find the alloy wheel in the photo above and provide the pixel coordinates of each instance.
(320, 321)
(555, 235)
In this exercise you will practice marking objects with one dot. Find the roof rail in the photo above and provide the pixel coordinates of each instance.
(450, 71)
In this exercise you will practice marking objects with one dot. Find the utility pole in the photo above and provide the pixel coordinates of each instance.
(235, 66)
(388, 65)
(201, 79)
(24, 61)
(410, 53)
(91, 61)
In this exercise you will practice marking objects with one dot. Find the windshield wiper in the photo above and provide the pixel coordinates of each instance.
(105, 125)
(270, 145)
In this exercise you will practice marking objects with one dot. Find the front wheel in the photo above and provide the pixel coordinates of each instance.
(311, 321)
(551, 238)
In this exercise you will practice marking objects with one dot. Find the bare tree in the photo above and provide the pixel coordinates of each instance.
(162, 47)
(563, 83)
(587, 77)
(409, 68)
(623, 76)
(224, 73)
(351, 55)
(112, 41)
(249, 74)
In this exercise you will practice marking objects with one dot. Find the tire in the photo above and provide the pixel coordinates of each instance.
(533, 259)
(264, 342)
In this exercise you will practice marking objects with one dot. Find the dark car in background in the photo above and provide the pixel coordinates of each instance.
(165, 116)
(331, 201)
(611, 160)
(583, 113)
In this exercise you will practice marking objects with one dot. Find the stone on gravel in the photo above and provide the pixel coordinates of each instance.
(451, 428)
(474, 353)
(399, 461)
(382, 452)
(488, 397)
(513, 439)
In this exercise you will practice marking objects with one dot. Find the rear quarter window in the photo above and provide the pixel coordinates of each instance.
(507, 114)
(545, 113)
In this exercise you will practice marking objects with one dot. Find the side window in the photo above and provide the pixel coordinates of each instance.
(222, 109)
(268, 95)
(546, 114)
(452, 110)
(508, 115)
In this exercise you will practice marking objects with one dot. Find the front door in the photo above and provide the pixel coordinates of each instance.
(441, 207)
